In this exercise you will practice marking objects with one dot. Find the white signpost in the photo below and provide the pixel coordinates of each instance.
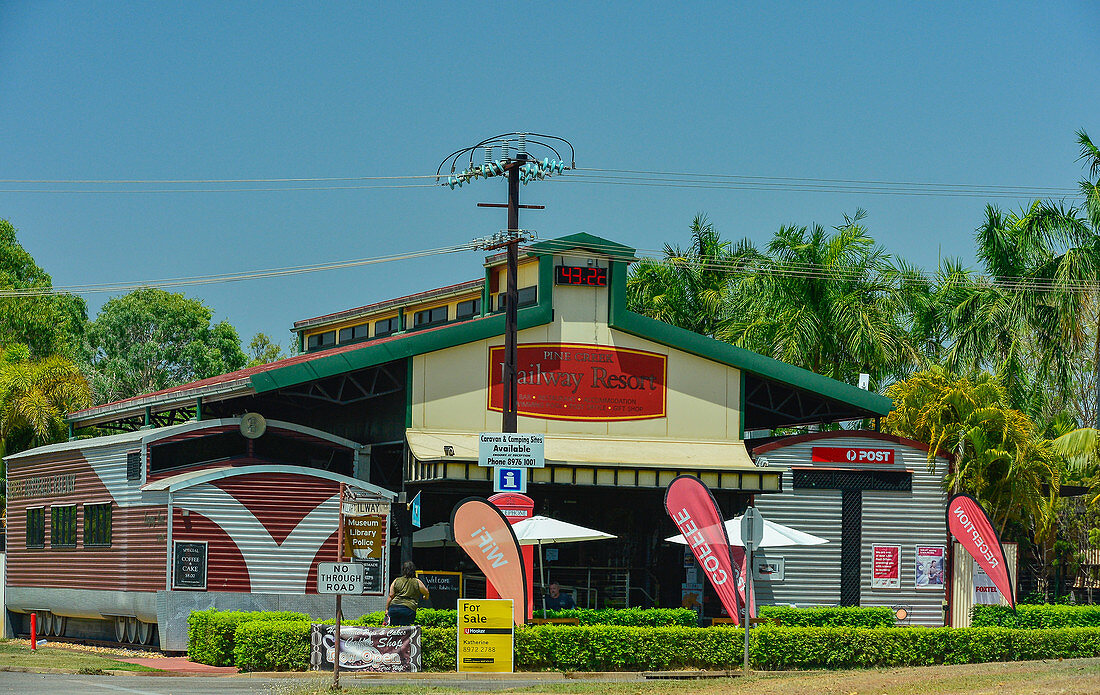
(511, 450)
(339, 578)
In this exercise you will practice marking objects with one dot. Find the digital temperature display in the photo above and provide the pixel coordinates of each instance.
(580, 275)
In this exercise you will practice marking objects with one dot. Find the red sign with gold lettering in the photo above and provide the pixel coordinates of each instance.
(565, 381)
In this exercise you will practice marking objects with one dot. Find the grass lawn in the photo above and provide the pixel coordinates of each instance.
(47, 656)
(1071, 677)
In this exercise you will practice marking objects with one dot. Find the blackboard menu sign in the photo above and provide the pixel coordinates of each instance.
(444, 588)
(189, 564)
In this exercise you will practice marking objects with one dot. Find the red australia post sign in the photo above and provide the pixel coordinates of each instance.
(851, 454)
(565, 381)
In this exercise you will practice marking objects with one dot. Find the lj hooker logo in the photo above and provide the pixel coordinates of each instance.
(562, 381)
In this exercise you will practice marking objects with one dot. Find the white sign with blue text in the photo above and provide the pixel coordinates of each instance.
(509, 479)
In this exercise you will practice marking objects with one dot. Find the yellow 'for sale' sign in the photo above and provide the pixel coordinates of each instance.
(485, 633)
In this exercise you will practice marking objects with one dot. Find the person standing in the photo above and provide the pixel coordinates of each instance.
(405, 593)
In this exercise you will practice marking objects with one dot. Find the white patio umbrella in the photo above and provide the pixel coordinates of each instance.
(537, 530)
(775, 535)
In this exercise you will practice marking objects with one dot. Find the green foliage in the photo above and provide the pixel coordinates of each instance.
(838, 616)
(150, 340)
(47, 324)
(999, 458)
(1036, 617)
(284, 645)
(263, 350)
(642, 617)
(210, 633)
(34, 395)
(275, 645)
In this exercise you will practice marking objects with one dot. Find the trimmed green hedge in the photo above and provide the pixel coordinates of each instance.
(285, 646)
(1035, 617)
(638, 617)
(835, 616)
(210, 632)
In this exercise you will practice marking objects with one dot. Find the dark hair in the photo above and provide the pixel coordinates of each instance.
(408, 570)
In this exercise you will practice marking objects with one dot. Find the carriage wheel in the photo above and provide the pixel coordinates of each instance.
(144, 632)
(58, 625)
(131, 630)
(42, 623)
(120, 629)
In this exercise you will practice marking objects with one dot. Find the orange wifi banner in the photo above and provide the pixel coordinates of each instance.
(487, 538)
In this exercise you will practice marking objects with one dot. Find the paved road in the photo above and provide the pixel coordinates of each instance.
(54, 683)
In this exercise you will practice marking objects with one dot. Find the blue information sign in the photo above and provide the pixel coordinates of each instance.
(508, 479)
(415, 509)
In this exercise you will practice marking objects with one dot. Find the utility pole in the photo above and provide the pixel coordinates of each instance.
(521, 168)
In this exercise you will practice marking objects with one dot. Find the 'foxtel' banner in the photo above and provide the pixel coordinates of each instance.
(693, 509)
(970, 526)
(487, 537)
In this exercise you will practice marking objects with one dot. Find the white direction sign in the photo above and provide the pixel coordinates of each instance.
(510, 450)
(339, 578)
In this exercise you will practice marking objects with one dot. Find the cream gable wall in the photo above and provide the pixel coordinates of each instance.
(450, 386)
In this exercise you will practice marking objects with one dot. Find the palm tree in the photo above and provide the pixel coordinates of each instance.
(1018, 320)
(34, 395)
(998, 456)
(690, 288)
(828, 302)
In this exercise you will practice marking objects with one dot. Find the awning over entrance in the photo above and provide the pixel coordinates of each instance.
(439, 455)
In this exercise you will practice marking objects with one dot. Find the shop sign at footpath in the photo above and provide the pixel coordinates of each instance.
(511, 450)
(485, 635)
(377, 649)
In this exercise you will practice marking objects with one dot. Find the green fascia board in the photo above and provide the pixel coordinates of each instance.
(672, 336)
(410, 344)
(583, 240)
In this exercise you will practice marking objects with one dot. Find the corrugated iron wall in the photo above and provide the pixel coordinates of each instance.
(962, 590)
(136, 559)
(812, 573)
(265, 532)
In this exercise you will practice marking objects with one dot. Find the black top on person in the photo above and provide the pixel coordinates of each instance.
(557, 601)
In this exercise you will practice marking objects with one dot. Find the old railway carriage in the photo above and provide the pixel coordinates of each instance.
(625, 402)
(124, 535)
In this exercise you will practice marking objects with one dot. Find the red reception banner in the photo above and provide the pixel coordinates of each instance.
(566, 381)
(486, 536)
(692, 507)
(970, 526)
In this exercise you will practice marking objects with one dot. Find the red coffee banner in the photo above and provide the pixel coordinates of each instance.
(487, 538)
(566, 381)
(848, 454)
(692, 507)
(970, 526)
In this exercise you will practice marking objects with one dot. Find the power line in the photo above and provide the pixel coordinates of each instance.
(194, 280)
(589, 175)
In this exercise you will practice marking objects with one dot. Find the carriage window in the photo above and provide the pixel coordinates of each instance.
(97, 525)
(63, 527)
(36, 528)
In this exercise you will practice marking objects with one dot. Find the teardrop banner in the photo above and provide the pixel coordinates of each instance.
(693, 509)
(970, 526)
(486, 536)
(740, 559)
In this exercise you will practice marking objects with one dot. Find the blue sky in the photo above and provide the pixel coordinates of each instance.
(965, 93)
